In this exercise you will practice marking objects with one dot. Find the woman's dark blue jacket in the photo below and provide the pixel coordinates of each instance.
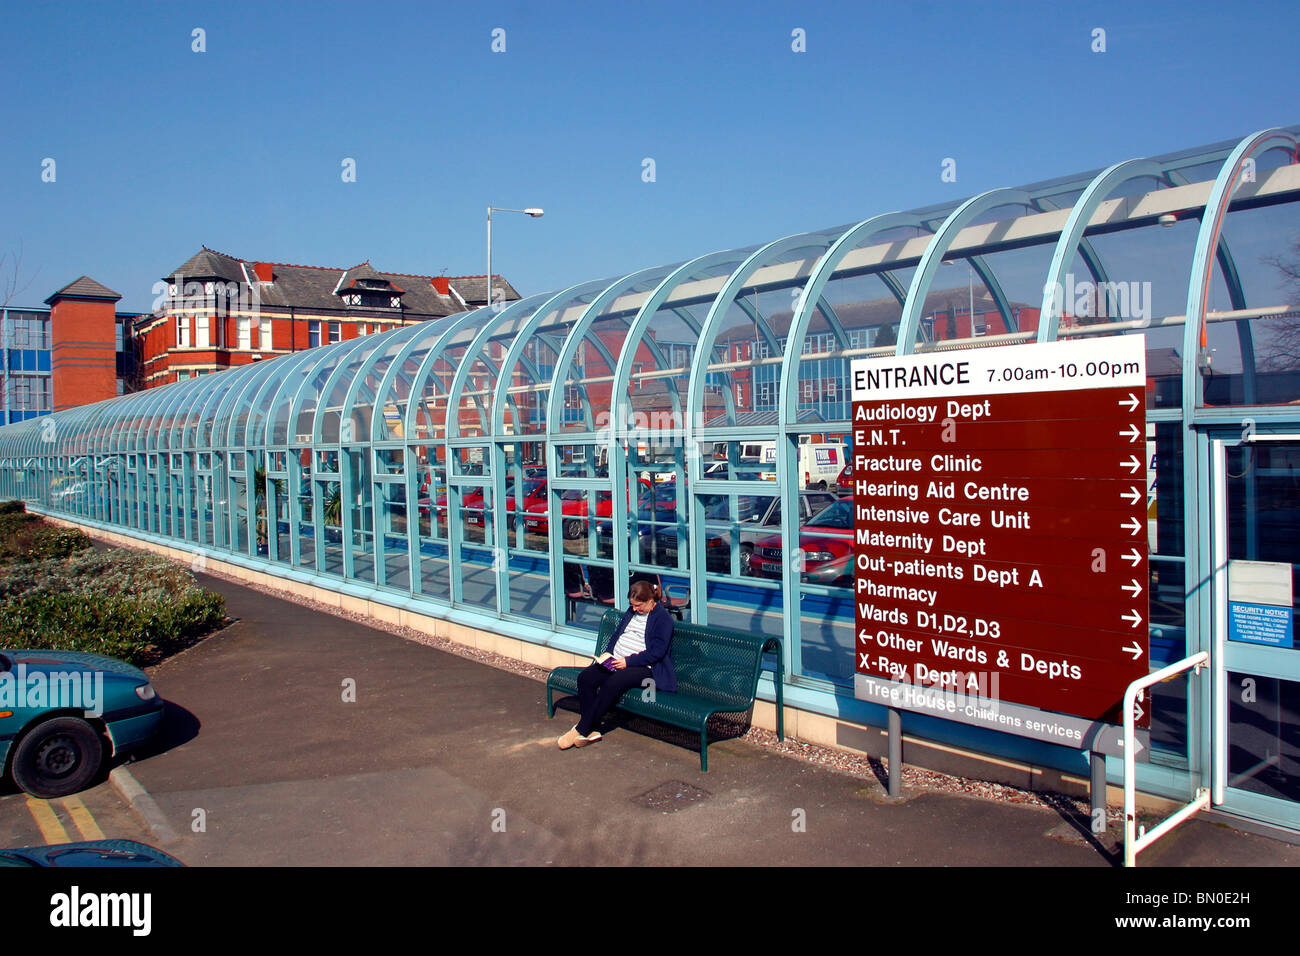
(658, 641)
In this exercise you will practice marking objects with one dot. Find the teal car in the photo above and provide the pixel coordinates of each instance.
(62, 713)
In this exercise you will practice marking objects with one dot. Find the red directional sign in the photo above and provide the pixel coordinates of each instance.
(1001, 528)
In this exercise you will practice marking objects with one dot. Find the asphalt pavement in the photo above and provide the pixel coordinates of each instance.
(299, 737)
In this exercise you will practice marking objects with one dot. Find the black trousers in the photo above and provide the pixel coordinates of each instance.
(600, 689)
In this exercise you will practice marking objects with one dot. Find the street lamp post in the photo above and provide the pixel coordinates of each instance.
(534, 213)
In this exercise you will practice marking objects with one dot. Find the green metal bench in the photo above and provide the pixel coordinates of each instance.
(717, 673)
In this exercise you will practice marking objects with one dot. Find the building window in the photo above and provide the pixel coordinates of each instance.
(336, 331)
(764, 395)
(313, 334)
(264, 336)
(245, 332)
(202, 339)
(183, 331)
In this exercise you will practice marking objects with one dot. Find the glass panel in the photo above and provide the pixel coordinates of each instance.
(1264, 735)
(1257, 361)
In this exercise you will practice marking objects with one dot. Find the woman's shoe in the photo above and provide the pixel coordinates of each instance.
(591, 738)
(569, 738)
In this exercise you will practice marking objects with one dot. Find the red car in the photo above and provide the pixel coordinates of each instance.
(827, 545)
(845, 480)
(574, 508)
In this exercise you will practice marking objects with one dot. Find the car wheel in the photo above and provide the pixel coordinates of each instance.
(746, 558)
(572, 528)
(58, 757)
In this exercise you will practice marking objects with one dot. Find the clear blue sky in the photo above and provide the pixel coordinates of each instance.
(160, 149)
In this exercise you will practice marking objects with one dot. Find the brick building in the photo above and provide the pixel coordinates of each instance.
(75, 352)
(217, 311)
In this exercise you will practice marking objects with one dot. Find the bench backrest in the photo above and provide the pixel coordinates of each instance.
(715, 663)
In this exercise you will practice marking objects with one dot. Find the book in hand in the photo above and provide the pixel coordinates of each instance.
(606, 661)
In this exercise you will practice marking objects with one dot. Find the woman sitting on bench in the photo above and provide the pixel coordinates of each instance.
(640, 658)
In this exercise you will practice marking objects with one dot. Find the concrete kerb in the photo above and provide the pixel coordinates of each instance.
(143, 805)
(813, 728)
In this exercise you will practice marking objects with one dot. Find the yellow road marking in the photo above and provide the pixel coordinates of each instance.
(81, 817)
(45, 817)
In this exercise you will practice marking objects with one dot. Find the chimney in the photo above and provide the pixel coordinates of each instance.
(263, 270)
(442, 284)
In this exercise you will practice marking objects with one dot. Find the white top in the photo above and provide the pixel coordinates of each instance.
(632, 640)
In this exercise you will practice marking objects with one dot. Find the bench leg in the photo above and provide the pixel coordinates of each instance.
(550, 703)
(704, 746)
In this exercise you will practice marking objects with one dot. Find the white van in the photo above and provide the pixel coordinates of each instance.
(820, 463)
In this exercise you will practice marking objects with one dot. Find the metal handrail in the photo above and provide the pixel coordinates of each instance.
(1136, 840)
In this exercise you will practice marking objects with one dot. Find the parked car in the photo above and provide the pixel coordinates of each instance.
(88, 853)
(845, 480)
(574, 509)
(827, 545)
(54, 743)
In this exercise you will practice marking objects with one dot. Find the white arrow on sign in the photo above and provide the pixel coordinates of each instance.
(1133, 463)
(1135, 649)
(1137, 711)
(1137, 745)
(1132, 587)
(1133, 557)
(1133, 525)
(1133, 617)
(1132, 496)
(1131, 402)
(1132, 432)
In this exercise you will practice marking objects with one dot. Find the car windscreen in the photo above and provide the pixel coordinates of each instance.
(838, 515)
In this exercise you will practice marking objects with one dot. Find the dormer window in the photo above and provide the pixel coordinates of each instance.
(395, 302)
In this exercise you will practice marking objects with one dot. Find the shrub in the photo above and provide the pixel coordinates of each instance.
(135, 606)
(12, 507)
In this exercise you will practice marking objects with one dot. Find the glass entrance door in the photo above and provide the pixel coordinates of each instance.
(1255, 544)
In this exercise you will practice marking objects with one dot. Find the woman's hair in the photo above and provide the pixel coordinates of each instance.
(643, 591)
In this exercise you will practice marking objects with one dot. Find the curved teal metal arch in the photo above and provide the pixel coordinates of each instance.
(406, 335)
(787, 404)
(372, 347)
(709, 330)
(923, 278)
(476, 351)
(245, 403)
(572, 294)
(328, 364)
(264, 400)
(284, 404)
(1207, 238)
(1097, 192)
(568, 352)
(431, 333)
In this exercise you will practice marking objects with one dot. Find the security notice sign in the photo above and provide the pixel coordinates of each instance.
(1000, 535)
